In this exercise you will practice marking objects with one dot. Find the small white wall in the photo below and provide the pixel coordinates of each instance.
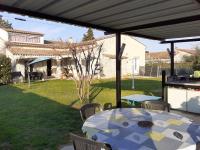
(184, 99)
(177, 98)
(3, 40)
(133, 49)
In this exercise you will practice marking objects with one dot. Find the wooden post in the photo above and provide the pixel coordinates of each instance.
(172, 59)
(29, 80)
(118, 70)
(163, 84)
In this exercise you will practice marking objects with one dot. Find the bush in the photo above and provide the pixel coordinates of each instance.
(196, 63)
(5, 69)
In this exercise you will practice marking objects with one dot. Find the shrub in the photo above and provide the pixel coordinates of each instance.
(5, 69)
(196, 63)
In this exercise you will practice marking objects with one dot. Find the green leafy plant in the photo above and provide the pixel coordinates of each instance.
(5, 69)
(196, 62)
(194, 59)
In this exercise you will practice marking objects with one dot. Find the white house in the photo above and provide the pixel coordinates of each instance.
(163, 56)
(132, 59)
(25, 46)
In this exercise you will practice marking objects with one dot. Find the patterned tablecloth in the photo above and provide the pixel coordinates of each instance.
(119, 128)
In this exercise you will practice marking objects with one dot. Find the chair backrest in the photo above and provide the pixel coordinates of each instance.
(198, 146)
(16, 74)
(81, 143)
(107, 106)
(88, 110)
(156, 105)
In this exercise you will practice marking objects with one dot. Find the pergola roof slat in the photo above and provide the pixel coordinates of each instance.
(162, 23)
(94, 8)
(85, 3)
(155, 19)
(144, 15)
(52, 18)
(137, 10)
(116, 8)
(51, 3)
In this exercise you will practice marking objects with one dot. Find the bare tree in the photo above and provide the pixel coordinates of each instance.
(84, 65)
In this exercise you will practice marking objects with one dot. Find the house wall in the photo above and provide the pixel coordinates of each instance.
(3, 40)
(179, 57)
(53, 67)
(20, 67)
(133, 49)
(25, 38)
(40, 67)
(16, 63)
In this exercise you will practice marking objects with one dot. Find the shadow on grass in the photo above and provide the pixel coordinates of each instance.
(30, 121)
(94, 92)
(149, 86)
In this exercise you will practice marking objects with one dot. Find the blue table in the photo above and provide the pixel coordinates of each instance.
(138, 98)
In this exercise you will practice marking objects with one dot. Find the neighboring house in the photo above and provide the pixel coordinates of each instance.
(3, 40)
(163, 56)
(132, 59)
(26, 46)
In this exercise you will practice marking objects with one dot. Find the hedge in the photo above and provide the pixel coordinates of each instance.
(5, 69)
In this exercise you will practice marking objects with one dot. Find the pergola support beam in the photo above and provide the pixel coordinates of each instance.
(118, 70)
(180, 41)
(144, 36)
(172, 58)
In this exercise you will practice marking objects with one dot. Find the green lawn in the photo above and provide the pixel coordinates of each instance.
(41, 117)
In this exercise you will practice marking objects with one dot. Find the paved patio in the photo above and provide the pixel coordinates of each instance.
(194, 117)
(67, 147)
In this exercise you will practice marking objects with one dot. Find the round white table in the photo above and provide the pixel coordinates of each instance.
(120, 129)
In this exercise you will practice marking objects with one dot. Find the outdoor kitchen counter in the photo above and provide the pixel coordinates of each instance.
(184, 95)
(192, 85)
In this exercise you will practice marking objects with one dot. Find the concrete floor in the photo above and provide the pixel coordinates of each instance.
(67, 147)
(194, 117)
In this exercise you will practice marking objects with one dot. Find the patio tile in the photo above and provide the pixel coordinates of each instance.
(67, 147)
(191, 116)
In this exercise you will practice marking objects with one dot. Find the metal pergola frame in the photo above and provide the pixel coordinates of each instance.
(117, 32)
(172, 52)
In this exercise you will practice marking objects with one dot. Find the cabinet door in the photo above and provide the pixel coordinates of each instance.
(193, 101)
(177, 98)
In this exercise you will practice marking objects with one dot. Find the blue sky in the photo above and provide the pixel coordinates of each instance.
(57, 31)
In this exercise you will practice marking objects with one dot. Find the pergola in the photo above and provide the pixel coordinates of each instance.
(152, 19)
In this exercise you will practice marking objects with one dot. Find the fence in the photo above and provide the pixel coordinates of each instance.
(155, 70)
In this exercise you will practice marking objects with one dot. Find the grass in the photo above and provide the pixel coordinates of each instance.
(42, 116)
